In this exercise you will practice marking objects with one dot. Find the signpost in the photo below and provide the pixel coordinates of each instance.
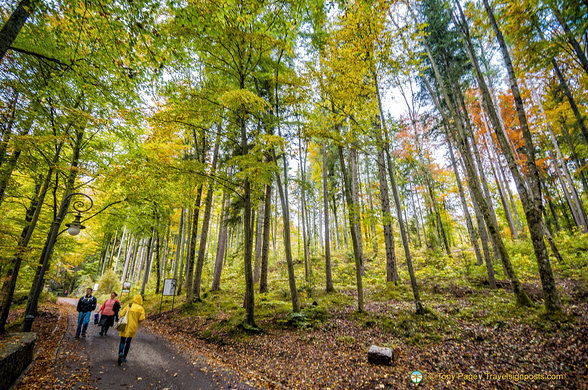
(126, 288)
(169, 289)
(95, 286)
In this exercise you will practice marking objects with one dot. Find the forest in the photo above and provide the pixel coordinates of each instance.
(314, 177)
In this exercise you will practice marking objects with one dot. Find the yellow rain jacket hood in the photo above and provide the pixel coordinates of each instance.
(135, 316)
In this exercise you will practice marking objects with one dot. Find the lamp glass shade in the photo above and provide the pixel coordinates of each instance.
(73, 229)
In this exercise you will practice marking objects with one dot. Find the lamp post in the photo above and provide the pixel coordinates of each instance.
(74, 228)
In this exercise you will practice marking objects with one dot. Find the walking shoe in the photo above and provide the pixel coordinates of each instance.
(120, 359)
(124, 360)
(77, 336)
(101, 334)
(83, 335)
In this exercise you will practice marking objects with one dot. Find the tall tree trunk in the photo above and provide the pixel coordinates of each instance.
(570, 37)
(579, 163)
(128, 258)
(258, 237)
(192, 251)
(221, 243)
(179, 243)
(305, 227)
(282, 191)
(464, 205)
(371, 209)
(354, 225)
(533, 200)
(415, 291)
(336, 221)
(474, 183)
(158, 262)
(266, 238)
(147, 262)
(571, 100)
(122, 239)
(247, 220)
(414, 212)
(576, 203)
(328, 276)
(14, 24)
(357, 205)
(345, 230)
(423, 223)
(391, 268)
(205, 223)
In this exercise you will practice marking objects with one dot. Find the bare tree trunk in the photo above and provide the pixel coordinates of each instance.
(576, 203)
(415, 291)
(354, 226)
(474, 183)
(205, 224)
(414, 212)
(571, 100)
(328, 276)
(120, 247)
(570, 37)
(128, 257)
(185, 233)
(14, 24)
(258, 237)
(158, 262)
(391, 268)
(305, 227)
(282, 191)
(505, 205)
(147, 262)
(371, 211)
(464, 205)
(266, 235)
(579, 163)
(532, 201)
(221, 244)
(192, 249)
(336, 221)
(423, 223)
(357, 205)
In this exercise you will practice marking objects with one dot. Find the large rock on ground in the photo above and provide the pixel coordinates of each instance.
(16, 353)
(380, 355)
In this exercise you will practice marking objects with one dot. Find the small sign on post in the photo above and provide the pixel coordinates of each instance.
(169, 289)
(126, 287)
(95, 286)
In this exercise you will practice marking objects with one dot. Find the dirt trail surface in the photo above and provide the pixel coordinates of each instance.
(152, 362)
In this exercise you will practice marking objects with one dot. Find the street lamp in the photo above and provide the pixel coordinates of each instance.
(73, 229)
(75, 226)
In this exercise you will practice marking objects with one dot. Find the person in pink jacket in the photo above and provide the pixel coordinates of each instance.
(109, 311)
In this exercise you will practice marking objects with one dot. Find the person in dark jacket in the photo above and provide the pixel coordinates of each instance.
(86, 305)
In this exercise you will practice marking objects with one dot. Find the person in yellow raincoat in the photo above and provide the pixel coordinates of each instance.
(136, 315)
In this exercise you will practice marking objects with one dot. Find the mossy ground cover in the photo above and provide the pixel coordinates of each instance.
(467, 329)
